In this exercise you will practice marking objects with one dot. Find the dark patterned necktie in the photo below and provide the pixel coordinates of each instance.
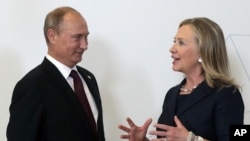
(79, 90)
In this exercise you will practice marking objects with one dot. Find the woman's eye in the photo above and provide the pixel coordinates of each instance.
(181, 43)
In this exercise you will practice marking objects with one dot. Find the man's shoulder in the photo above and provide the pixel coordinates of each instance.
(84, 70)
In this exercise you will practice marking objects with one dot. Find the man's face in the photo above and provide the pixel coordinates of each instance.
(71, 41)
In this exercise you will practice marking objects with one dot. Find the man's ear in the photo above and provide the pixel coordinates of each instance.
(51, 34)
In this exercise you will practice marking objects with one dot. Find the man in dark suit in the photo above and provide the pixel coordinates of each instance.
(44, 105)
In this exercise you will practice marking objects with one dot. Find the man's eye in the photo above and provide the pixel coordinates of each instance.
(85, 37)
(77, 37)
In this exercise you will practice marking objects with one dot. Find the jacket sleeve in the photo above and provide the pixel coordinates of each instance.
(229, 110)
(25, 113)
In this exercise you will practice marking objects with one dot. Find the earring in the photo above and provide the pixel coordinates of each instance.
(199, 60)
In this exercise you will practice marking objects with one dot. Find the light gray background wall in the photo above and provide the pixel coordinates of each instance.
(128, 50)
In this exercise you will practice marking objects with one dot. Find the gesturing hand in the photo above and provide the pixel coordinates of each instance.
(135, 133)
(179, 132)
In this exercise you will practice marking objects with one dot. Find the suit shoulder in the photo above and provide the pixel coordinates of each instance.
(174, 88)
(34, 73)
(84, 70)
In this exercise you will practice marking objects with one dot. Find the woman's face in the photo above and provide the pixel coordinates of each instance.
(185, 51)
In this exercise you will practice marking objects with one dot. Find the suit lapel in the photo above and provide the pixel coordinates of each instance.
(62, 85)
(64, 88)
(202, 91)
(173, 105)
(56, 76)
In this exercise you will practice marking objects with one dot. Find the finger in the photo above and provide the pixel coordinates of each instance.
(177, 122)
(159, 139)
(163, 126)
(130, 122)
(148, 122)
(158, 133)
(124, 128)
(163, 139)
(124, 136)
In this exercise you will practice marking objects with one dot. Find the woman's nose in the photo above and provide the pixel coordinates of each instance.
(172, 49)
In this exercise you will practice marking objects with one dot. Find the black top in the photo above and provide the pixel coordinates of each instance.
(207, 112)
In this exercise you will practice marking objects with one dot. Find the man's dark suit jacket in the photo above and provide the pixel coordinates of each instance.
(207, 112)
(45, 108)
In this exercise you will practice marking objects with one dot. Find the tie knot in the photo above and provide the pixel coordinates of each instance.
(74, 74)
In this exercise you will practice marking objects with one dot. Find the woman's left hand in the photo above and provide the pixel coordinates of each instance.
(170, 133)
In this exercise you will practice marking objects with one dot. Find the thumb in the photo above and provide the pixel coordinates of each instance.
(148, 122)
(177, 122)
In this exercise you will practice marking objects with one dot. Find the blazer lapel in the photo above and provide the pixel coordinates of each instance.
(56, 76)
(169, 106)
(173, 105)
(202, 91)
(62, 85)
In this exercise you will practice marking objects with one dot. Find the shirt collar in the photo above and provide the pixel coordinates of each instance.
(65, 70)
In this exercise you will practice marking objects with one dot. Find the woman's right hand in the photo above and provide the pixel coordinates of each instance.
(134, 132)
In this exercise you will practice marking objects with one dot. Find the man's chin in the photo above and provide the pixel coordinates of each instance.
(77, 60)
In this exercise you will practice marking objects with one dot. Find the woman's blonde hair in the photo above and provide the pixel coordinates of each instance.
(212, 50)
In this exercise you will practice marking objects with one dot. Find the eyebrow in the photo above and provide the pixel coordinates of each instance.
(179, 38)
(80, 34)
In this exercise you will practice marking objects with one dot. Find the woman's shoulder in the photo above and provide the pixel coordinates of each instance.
(230, 93)
(228, 90)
